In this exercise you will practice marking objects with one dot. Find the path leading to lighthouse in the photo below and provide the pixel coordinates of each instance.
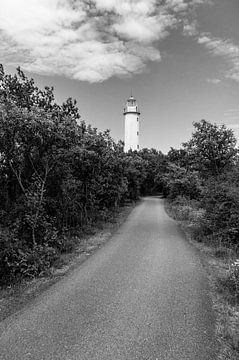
(143, 296)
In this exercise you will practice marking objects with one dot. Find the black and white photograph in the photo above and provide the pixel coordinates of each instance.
(119, 179)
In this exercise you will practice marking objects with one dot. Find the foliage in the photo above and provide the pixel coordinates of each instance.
(211, 149)
(221, 203)
(179, 181)
(206, 169)
(234, 277)
(19, 260)
(230, 282)
(154, 164)
(178, 157)
(57, 175)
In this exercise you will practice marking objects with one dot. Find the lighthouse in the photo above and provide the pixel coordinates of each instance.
(131, 119)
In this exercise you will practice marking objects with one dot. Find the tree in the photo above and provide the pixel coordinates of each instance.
(212, 148)
(135, 173)
(178, 157)
(178, 181)
(154, 164)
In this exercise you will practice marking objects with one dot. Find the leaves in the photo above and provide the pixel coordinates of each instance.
(211, 149)
(56, 173)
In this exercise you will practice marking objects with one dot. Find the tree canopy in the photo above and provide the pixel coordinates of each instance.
(60, 176)
(212, 148)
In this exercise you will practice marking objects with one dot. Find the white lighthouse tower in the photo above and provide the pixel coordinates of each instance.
(131, 118)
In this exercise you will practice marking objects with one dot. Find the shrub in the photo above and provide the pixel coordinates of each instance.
(18, 260)
(185, 209)
(179, 181)
(221, 204)
(231, 281)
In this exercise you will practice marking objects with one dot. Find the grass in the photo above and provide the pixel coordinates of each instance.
(222, 267)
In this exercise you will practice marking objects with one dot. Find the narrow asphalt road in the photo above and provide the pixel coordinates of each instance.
(143, 296)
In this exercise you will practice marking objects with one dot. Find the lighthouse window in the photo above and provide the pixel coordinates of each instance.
(137, 133)
(137, 119)
(137, 146)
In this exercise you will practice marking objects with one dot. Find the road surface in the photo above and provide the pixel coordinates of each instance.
(142, 296)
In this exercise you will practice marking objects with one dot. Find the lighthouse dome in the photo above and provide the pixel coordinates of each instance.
(131, 101)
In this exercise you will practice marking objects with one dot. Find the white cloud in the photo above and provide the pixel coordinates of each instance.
(88, 40)
(225, 48)
(177, 5)
(125, 7)
(145, 30)
(214, 81)
(190, 28)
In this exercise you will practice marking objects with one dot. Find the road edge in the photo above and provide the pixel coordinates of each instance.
(16, 297)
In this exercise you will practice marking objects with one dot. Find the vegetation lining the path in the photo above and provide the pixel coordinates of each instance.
(59, 177)
(17, 295)
(201, 184)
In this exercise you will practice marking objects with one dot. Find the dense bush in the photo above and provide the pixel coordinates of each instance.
(221, 203)
(211, 149)
(230, 282)
(206, 170)
(178, 181)
(155, 163)
(57, 175)
(18, 260)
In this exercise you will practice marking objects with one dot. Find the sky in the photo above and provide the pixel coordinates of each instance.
(179, 57)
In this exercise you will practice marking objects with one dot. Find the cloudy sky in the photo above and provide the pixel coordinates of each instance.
(181, 57)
